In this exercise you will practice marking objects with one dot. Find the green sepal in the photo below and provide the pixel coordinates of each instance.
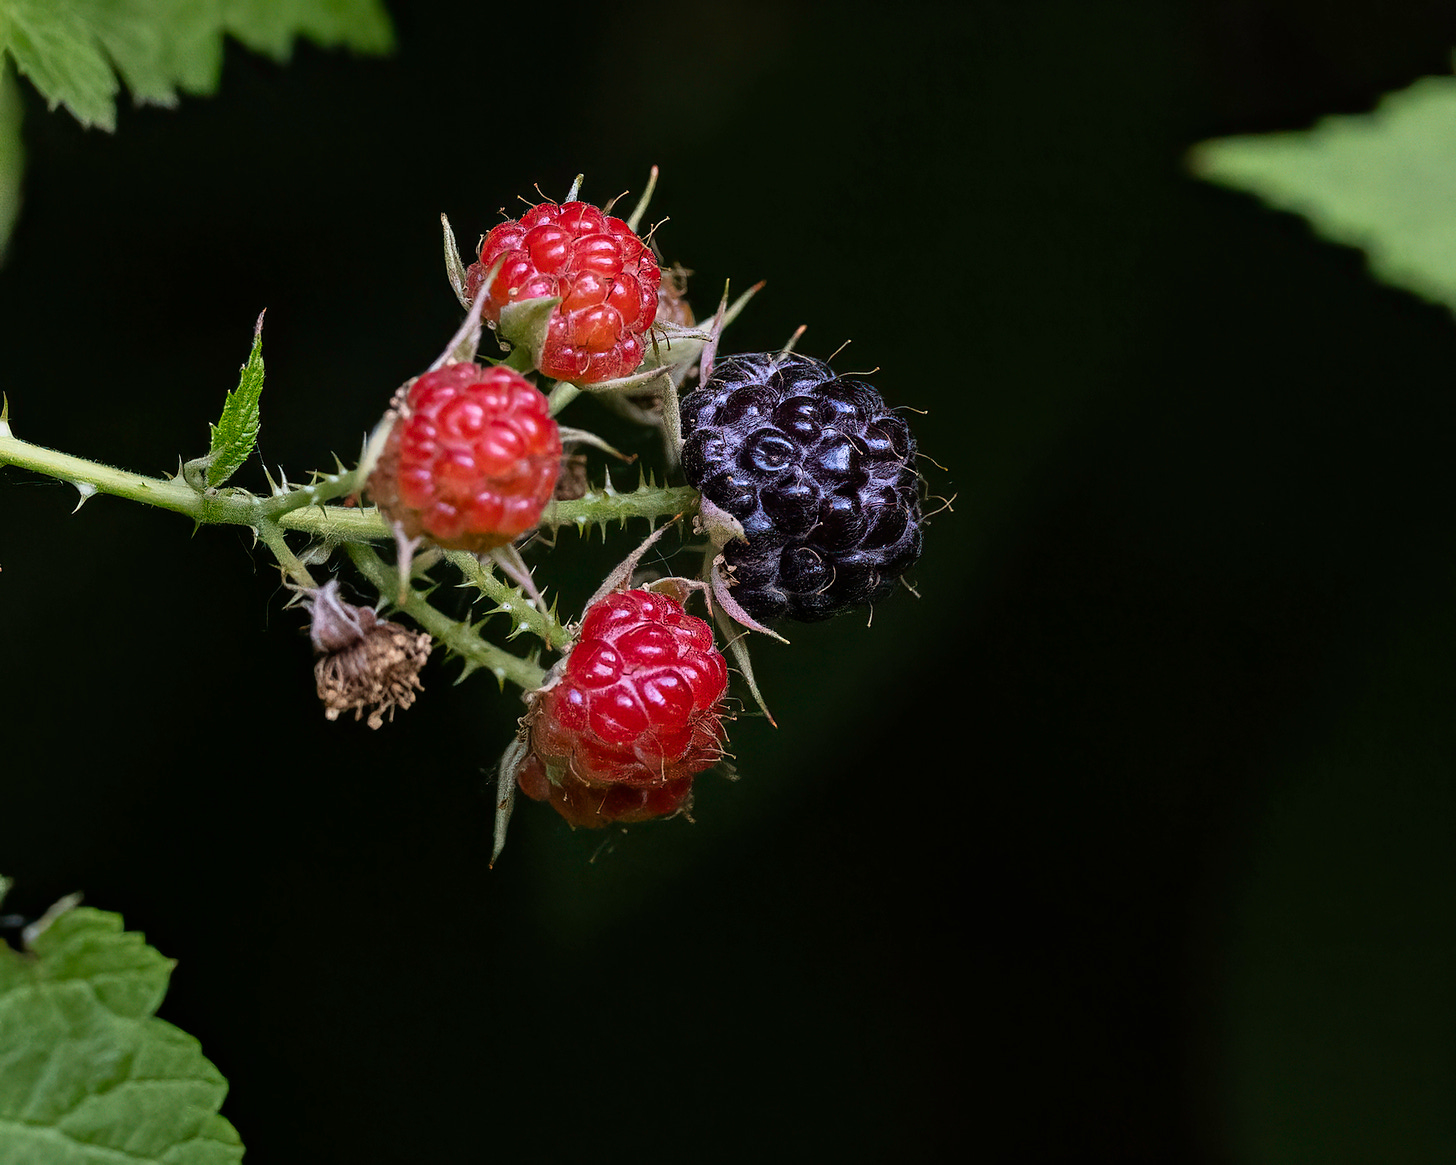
(524, 324)
(454, 268)
(634, 220)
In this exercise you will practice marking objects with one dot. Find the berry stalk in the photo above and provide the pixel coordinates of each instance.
(461, 638)
(216, 507)
(508, 600)
(305, 509)
(601, 506)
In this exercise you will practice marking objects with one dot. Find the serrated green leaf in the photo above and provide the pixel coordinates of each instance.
(270, 26)
(1383, 181)
(72, 49)
(88, 1075)
(159, 46)
(12, 154)
(52, 45)
(236, 432)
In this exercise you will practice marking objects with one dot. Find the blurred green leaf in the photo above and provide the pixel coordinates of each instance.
(51, 44)
(12, 154)
(87, 1073)
(269, 26)
(72, 49)
(1383, 181)
(236, 432)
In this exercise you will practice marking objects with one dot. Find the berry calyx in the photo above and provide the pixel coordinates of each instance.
(606, 277)
(471, 460)
(820, 474)
(629, 716)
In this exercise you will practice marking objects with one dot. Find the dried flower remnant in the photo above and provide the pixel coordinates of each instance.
(672, 302)
(364, 663)
(572, 483)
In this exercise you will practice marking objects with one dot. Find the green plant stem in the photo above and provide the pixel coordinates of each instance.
(562, 395)
(226, 506)
(325, 489)
(461, 638)
(600, 506)
(305, 509)
(273, 538)
(509, 600)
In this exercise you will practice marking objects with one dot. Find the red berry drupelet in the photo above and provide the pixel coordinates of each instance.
(605, 275)
(472, 458)
(820, 473)
(631, 714)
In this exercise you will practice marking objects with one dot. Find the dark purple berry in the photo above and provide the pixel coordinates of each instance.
(820, 473)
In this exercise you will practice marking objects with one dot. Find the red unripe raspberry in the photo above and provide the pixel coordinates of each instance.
(606, 277)
(472, 458)
(593, 806)
(635, 710)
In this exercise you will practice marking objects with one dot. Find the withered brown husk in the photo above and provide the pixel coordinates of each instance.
(365, 664)
(572, 483)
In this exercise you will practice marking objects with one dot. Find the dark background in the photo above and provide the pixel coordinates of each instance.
(1131, 840)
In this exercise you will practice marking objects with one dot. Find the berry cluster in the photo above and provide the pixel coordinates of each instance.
(606, 277)
(819, 472)
(472, 458)
(804, 481)
(632, 713)
(808, 486)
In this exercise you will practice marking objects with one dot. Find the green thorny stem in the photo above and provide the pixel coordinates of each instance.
(306, 510)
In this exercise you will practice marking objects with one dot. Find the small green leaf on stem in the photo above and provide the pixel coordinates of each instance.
(236, 433)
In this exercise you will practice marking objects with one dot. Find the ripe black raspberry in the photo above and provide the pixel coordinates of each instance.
(821, 475)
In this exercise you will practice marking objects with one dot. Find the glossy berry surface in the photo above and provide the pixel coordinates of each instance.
(635, 711)
(606, 277)
(820, 473)
(471, 460)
